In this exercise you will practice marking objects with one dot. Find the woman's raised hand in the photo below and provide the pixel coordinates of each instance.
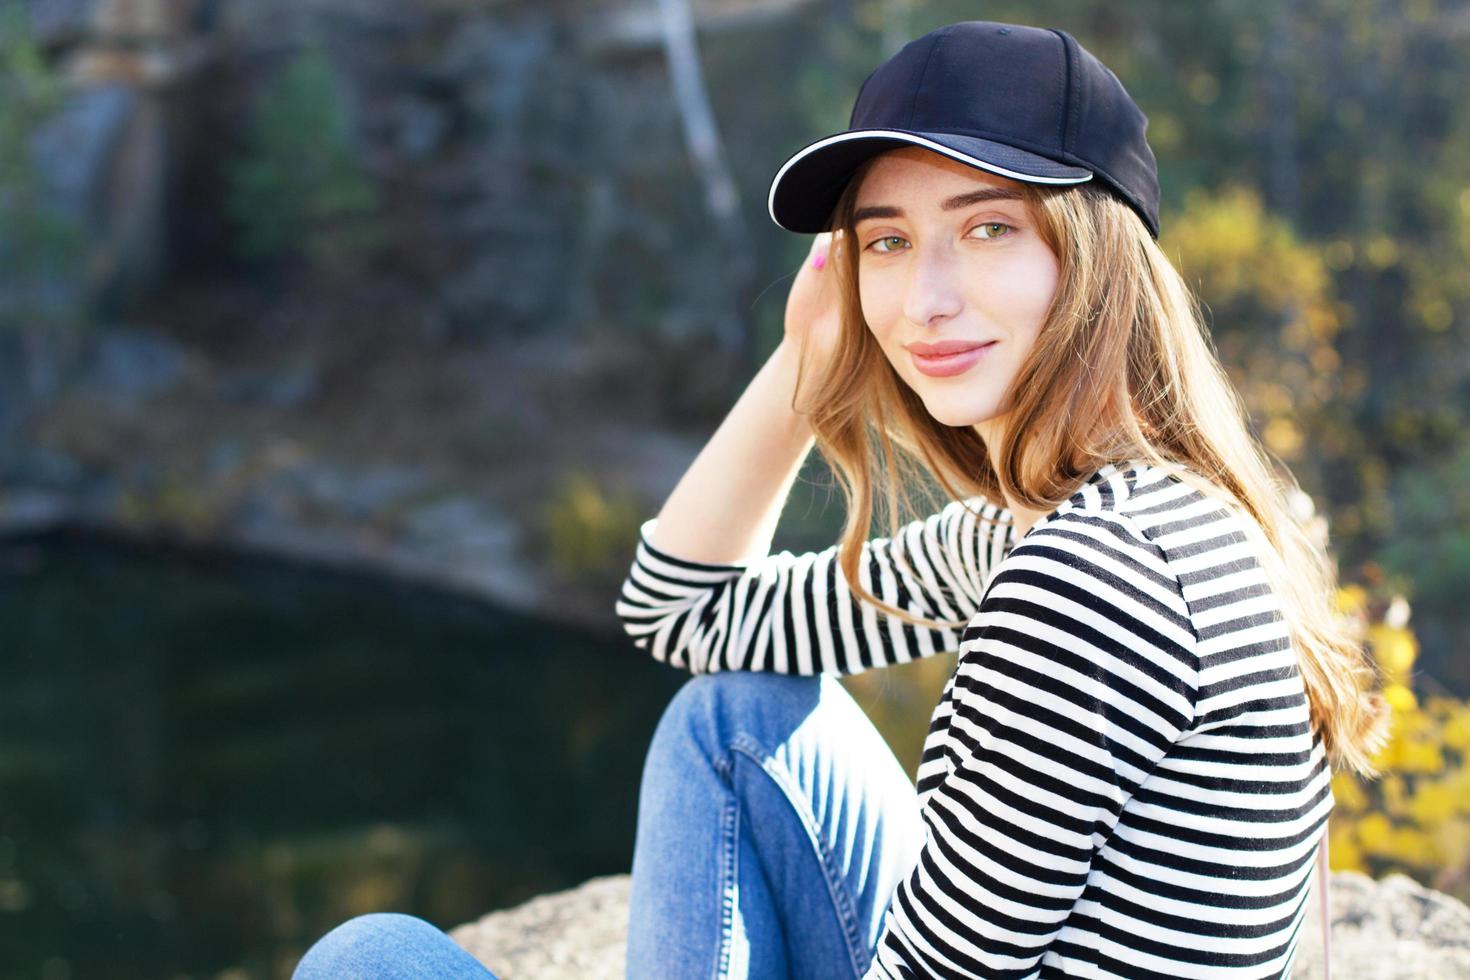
(812, 306)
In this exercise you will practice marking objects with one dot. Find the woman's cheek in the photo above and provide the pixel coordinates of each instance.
(876, 313)
(875, 326)
(865, 303)
(1039, 284)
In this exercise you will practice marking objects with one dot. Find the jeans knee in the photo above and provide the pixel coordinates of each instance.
(711, 707)
(359, 945)
(738, 688)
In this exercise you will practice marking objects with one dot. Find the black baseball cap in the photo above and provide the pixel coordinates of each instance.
(1027, 103)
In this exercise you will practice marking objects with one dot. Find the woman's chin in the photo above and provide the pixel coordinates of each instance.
(957, 416)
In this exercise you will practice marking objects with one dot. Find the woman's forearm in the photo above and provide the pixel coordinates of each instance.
(726, 505)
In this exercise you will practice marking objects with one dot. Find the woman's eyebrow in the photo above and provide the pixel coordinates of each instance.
(949, 204)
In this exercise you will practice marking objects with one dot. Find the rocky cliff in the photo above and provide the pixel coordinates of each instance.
(1393, 929)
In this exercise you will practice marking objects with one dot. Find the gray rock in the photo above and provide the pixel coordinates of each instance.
(447, 521)
(416, 126)
(575, 933)
(40, 467)
(226, 455)
(73, 148)
(354, 493)
(133, 365)
(55, 22)
(26, 510)
(381, 488)
(1393, 929)
(287, 387)
(102, 157)
(465, 542)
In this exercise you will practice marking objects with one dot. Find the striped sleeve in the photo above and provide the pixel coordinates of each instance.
(1076, 676)
(795, 613)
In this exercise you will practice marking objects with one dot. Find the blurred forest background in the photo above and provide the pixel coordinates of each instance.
(451, 291)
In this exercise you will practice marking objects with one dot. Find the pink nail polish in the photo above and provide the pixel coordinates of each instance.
(819, 261)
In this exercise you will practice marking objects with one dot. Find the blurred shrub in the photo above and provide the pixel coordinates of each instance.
(1430, 547)
(587, 530)
(899, 701)
(1416, 818)
(298, 188)
(1270, 303)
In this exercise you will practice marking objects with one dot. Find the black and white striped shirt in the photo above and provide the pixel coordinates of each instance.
(1120, 778)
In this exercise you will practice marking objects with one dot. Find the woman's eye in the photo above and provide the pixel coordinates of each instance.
(994, 224)
(994, 230)
(885, 238)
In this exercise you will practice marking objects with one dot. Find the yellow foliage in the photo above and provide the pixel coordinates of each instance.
(1442, 708)
(1433, 804)
(588, 531)
(1325, 360)
(1348, 795)
(1403, 845)
(1400, 698)
(1454, 840)
(1395, 649)
(1414, 848)
(1456, 729)
(1339, 254)
(1383, 251)
(1247, 263)
(1351, 599)
(1435, 313)
(1283, 438)
(1458, 782)
(1374, 832)
(1415, 818)
(1343, 852)
(1421, 757)
(1395, 798)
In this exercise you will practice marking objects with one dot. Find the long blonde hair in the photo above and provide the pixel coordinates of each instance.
(1124, 346)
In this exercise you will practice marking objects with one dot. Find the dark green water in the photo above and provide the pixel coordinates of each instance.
(206, 761)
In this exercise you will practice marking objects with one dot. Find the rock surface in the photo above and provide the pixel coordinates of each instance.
(574, 933)
(1393, 929)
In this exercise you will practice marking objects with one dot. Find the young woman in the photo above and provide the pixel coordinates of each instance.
(1127, 774)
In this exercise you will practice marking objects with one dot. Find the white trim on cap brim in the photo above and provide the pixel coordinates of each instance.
(917, 141)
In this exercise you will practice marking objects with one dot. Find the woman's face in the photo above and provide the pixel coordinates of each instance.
(948, 256)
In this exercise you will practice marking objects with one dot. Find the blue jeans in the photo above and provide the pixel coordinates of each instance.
(774, 824)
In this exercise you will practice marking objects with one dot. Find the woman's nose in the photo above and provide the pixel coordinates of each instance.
(933, 288)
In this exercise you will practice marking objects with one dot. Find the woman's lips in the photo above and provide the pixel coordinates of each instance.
(945, 365)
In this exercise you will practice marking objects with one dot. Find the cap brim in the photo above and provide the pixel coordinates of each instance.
(806, 188)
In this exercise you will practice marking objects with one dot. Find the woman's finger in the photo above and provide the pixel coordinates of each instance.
(818, 253)
(822, 246)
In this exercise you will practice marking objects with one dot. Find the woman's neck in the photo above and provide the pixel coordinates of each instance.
(1024, 519)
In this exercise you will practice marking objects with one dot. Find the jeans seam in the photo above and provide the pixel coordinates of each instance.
(842, 902)
(729, 883)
